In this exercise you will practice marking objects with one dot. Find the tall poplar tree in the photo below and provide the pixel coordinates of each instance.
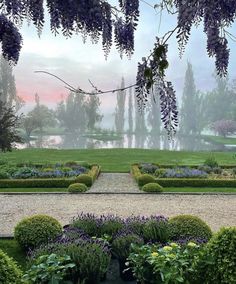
(130, 112)
(7, 83)
(120, 109)
(154, 121)
(188, 121)
(92, 105)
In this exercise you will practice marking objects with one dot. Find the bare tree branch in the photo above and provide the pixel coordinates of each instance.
(81, 91)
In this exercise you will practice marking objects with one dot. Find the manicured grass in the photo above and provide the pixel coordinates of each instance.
(200, 189)
(13, 250)
(116, 160)
(220, 139)
(167, 189)
(33, 190)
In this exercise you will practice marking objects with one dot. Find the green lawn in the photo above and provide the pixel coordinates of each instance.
(167, 189)
(220, 139)
(200, 189)
(116, 160)
(33, 190)
(12, 248)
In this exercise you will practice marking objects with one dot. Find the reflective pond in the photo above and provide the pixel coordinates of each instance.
(72, 141)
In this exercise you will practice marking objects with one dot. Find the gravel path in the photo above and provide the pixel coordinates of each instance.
(115, 182)
(216, 210)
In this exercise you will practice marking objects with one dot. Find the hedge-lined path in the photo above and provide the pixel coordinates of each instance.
(216, 210)
(114, 183)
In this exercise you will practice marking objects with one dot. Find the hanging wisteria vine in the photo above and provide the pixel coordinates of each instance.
(99, 19)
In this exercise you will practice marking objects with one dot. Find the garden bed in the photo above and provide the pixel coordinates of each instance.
(170, 176)
(99, 249)
(57, 175)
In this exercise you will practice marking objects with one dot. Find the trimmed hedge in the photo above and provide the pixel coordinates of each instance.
(48, 182)
(189, 226)
(94, 172)
(152, 187)
(144, 179)
(77, 187)
(33, 231)
(181, 182)
(34, 183)
(85, 179)
(135, 171)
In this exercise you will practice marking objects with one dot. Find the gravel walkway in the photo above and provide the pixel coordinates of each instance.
(114, 182)
(216, 210)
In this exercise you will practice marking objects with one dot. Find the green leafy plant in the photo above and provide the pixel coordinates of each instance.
(187, 226)
(9, 271)
(222, 250)
(156, 230)
(77, 187)
(121, 245)
(152, 187)
(36, 230)
(91, 257)
(169, 264)
(49, 269)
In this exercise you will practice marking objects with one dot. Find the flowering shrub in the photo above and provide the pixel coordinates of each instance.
(183, 173)
(31, 172)
(169, 264)
(147, 168)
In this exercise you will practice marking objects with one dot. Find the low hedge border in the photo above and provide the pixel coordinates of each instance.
(46, 183)
(189, 166)
(184, 182)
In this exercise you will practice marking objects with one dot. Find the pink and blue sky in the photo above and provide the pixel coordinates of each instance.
(76, 62)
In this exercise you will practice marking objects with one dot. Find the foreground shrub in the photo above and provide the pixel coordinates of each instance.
(144, 179)
(9, 271)
(152, 264)
(152, 187)
(222, 250)
(91, 257)
(121, 248)
(36, 230)
(185, 226)
(156, 230)
(88, 223)
(49, 269)
(77, 187)
(86, 179)
(122, 242)
(110, 225)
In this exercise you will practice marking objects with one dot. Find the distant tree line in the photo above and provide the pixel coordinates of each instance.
(206, 110)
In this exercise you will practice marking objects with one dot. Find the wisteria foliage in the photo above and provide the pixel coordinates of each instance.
(99, 19)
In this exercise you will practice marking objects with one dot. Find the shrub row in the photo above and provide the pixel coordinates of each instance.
(166, 166)
(87, 179)
(196, 182)
(35, 183)
(143, 179)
